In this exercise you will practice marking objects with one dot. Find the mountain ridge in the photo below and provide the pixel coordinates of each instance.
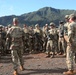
(41, 16)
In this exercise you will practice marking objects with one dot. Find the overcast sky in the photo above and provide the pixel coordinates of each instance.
(18, 7)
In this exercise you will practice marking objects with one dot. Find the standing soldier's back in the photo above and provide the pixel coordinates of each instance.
(16, 32)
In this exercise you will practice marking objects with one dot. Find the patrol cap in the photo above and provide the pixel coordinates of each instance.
(66, 16)
(52, 24)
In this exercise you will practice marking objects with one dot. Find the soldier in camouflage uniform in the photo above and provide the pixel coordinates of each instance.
(2, 40)
(61, 38)
(45, 33)
(66, 30)
(51, 40)
(38, 38)
(26, 41)
(71, 45)
(66, 26)
(16, 33)
(8, 42)
(31, 39)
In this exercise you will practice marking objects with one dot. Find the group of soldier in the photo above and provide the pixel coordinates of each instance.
(49, 39)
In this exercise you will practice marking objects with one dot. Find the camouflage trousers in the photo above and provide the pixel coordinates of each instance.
(70, 57)
(50, 46)
(61, 45)
(17, 56)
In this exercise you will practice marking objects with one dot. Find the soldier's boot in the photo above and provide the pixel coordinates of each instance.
(15, 72)
(52, 56)
(74, 71)
(48, 55)
(70, 72)
(21, 68)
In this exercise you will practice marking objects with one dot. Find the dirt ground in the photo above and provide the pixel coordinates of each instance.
(35, 64)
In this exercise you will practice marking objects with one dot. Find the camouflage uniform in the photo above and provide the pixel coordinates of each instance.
(66, 30)
(51, 41)
(26, 40)
(72, 40)
(61, 38)
(31, 39)
(38, 38)
(2, 40)
(8, 41)
(45, 33)
(66, 25)
(71, 45)
(16, 34)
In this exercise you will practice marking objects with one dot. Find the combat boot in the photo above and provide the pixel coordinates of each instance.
(21, 68)
(74, 71)
(48, 56)
(52, 56)
(15, 72)
(70, 72)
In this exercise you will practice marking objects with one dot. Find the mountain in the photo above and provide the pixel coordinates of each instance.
(41, 16)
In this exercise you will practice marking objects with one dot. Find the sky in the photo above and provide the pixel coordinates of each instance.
(19, 7)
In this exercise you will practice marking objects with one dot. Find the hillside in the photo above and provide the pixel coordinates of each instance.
(41, 16)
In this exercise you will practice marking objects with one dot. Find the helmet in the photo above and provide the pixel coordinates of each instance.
(36, 25)
(1, 26)
(24, 25)
(66, 16)
(52, 24)
(61, 22)
(71, 15)
(9, 25)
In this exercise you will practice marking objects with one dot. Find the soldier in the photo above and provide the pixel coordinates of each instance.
(8, 42)
(26, 41)
(71, 45)
(31, 39)
(45, 33)
(16, 33)
(51, 40)
(66, 30)
(66, 26)
(38, 38)
(2, 40)
(61, 38)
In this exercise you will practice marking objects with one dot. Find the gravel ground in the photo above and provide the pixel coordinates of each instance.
(35, 64)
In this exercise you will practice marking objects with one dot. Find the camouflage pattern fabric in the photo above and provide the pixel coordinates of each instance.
(71, 48)
(51, 41)
(16, 47)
